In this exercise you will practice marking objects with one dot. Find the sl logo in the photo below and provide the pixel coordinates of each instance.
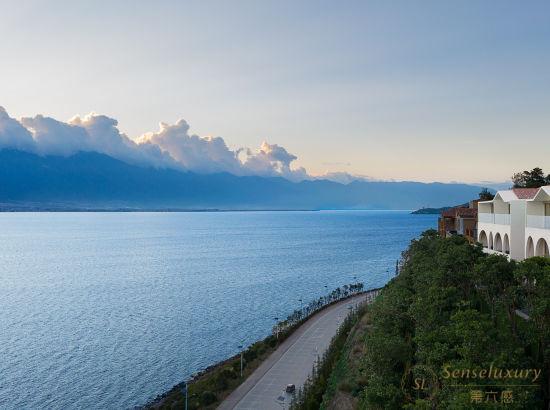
(422, 380)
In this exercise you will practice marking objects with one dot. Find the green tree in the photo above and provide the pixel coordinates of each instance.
(530, 179)
(485, 195)
(454, 305)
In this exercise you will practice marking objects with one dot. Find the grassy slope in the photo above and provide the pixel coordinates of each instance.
(346, 382)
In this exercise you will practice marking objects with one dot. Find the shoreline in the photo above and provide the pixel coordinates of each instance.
(14, 209)
(210, 372)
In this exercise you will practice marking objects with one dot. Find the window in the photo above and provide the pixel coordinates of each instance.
(547, 209)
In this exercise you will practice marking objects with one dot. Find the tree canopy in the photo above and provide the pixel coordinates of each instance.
(530, 179)
(485, 195)
(452, 305)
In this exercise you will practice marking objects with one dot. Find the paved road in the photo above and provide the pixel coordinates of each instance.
(291, 362)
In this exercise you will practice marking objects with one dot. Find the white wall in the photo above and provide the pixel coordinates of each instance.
(517, 229)
(535, 208)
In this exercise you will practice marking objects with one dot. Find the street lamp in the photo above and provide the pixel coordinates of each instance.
(241, 349)
(301, 308)
(277, 326)
(186, 394)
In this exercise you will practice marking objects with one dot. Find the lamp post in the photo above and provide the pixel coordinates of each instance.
(301, 308)
(277, 326)
(241, 349)
(186, 394)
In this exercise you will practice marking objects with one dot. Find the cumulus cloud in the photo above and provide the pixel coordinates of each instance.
(96, 133)
(272, 160)
(344, 177)
(53, 137)
(105, 137)
(200, 154)
(172, 146)
(13, 134)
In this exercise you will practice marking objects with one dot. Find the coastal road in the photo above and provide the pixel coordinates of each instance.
(292, 361)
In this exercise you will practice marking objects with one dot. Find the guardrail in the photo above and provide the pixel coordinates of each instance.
(499, 219)
(502, 219)
(537, 221)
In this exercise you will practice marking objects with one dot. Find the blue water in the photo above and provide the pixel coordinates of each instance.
(107, 310)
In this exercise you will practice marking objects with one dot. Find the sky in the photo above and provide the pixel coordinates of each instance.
(404, 90)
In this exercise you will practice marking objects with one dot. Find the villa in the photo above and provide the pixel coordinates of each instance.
(459, 220)
(516, 223)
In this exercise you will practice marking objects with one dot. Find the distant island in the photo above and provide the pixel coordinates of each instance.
(434, 211)
(430, 211)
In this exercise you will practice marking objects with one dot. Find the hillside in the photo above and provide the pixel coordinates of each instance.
(444, 333)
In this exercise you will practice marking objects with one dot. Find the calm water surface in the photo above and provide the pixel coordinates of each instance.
(107, 310)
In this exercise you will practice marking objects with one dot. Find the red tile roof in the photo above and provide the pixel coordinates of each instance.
(449, 213)
(525, 193)
(466, 212)
(461, 211)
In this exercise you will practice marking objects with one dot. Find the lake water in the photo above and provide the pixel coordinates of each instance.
(107, 310)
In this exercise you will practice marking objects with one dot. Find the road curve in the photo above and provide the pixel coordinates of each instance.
(292, 362)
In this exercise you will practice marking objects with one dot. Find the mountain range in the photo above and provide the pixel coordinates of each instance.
(89, 180)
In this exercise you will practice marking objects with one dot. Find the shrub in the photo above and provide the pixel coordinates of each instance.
(250, 355)
(345, 386)
(207, 397)
(228, 373)
(221, 381)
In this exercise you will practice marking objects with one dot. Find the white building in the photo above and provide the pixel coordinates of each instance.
(516, 223)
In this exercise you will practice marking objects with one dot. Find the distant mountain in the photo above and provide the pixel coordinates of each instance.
(92, 180)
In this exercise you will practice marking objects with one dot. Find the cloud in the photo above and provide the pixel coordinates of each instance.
(96, 133)
(172, 146)
(53, 137)
(344, 177)
(104, 137)
(199, 154)
(13, 134)
(272, 160)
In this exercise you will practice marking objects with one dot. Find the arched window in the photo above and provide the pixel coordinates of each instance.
(498, 242)
(506, 244)
(483, 239)
(542, 248)
(530, 251)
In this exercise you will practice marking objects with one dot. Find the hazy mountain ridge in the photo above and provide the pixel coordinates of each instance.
(93, 180)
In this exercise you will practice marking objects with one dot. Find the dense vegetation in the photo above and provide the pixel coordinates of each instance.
(451, 305)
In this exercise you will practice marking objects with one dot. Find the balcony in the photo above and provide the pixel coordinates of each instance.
(537, 221)
(499, 219)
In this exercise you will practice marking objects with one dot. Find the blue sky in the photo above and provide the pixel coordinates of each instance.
(431, 90)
